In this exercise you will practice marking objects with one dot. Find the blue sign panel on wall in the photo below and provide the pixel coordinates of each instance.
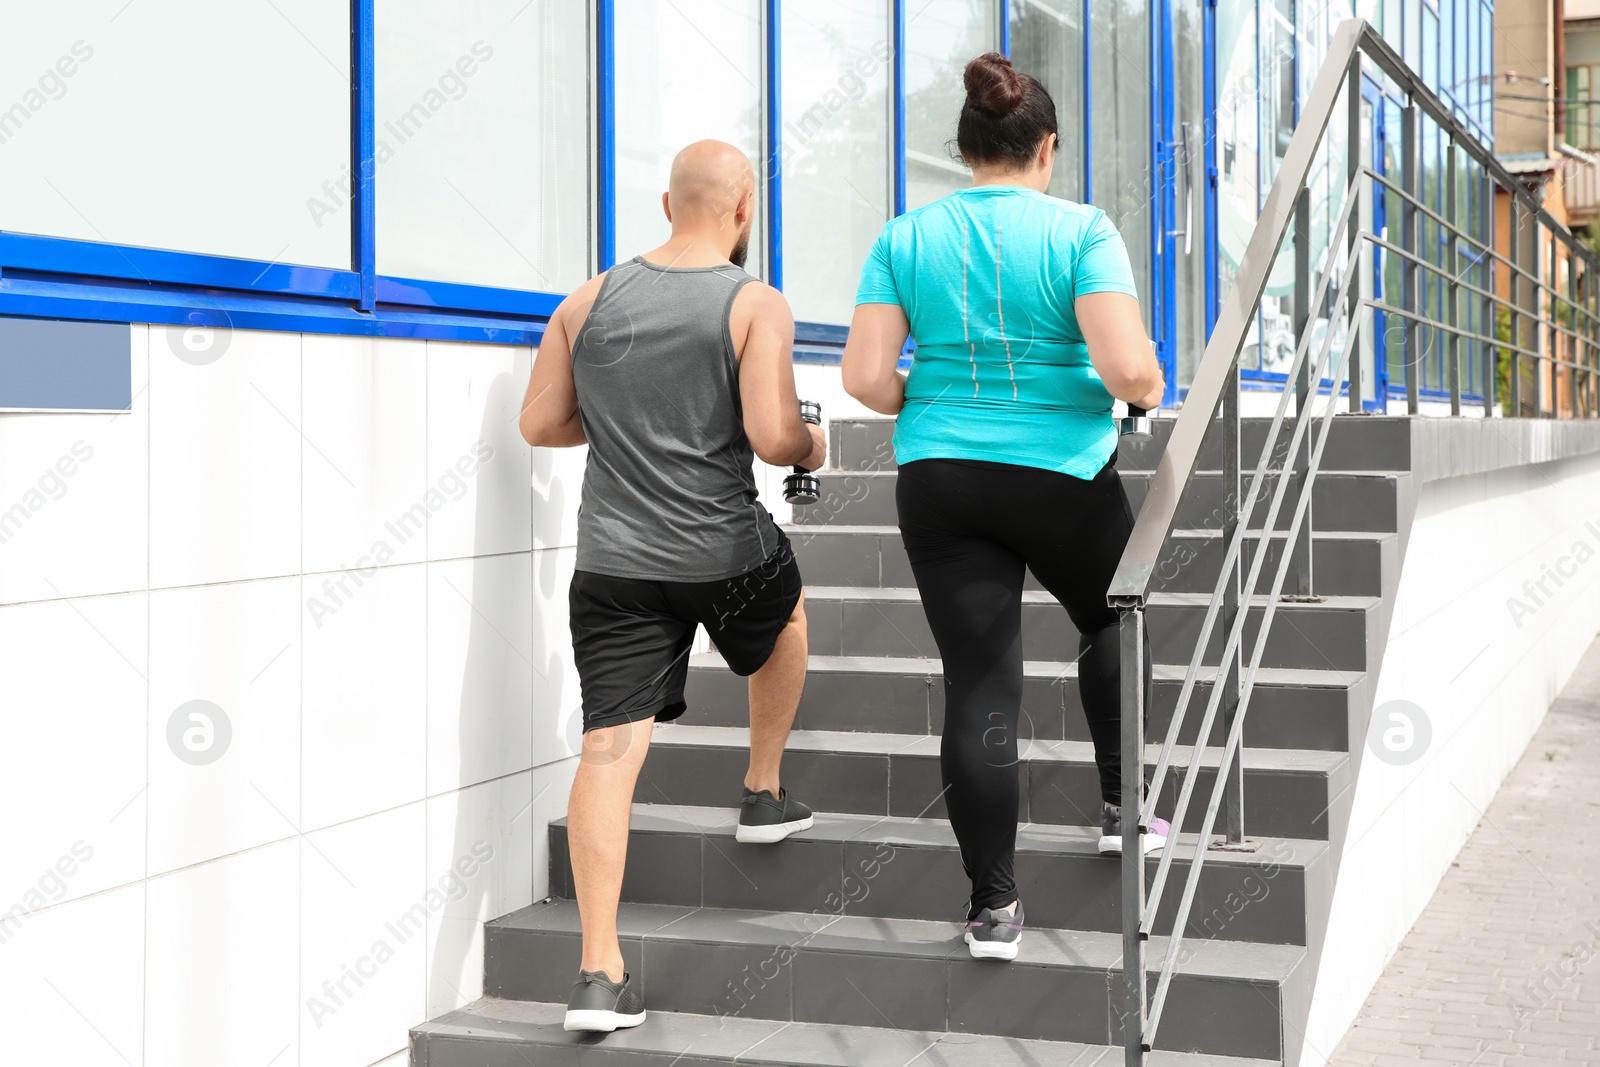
(46, 365)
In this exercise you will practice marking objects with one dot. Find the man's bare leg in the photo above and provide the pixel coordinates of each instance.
(774, 698)
(597, 835)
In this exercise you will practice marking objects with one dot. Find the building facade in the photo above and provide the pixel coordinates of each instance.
(451, 173)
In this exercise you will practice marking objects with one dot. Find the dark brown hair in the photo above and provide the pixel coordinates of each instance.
(1005, 116)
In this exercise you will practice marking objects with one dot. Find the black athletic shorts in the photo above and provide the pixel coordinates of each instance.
(631, 638)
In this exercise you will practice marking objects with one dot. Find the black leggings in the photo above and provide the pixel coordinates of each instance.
(969, 528)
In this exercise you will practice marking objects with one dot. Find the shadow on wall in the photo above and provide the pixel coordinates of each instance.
(490, 694)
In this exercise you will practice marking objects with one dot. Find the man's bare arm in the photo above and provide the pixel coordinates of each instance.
(766, 382)
(550, 409)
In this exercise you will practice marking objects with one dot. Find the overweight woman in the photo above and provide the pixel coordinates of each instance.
(1027, 326)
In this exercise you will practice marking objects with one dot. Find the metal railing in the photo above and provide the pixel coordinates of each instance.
(1543, 332)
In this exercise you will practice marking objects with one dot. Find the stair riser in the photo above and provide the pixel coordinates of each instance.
(1346, 502)
(1065, 890)
(1302, 717)
(1342, 567)
(1313, 637)
(1353, 445)
(1277, 803)
(793, 981)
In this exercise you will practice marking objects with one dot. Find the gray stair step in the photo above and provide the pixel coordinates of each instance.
(1344, 563)
(1330, 634)
(1290, 708)
(911, 869)
(1366, 501)
(518, 1033)
(847, 970)
(1287, 791)
(1367, 442)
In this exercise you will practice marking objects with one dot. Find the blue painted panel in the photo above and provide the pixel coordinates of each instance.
(65, 366)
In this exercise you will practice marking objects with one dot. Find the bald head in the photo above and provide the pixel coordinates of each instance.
(711, 198)
(709, 181)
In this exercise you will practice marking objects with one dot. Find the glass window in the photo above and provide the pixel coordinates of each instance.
(1580, 127)
(1189, 161)
(942, 36)
(1276, 72)
(835, 149)
(134, 124)
(685, 73)
(1120, 183)
(1238, 169)
(483, 142)
(1047, 42)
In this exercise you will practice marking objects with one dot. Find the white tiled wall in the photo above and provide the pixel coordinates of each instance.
(344, 550)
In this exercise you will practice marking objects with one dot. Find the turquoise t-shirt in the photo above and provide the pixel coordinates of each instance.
(987, 277)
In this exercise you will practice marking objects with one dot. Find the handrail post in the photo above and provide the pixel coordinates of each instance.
(1514, 226)
(1411, 243)
(1228, 672)
(1451, 252)
(1489, 323)
(1355, 144)
(1550, 392)
(1130, 624)
(1303, 387)
(1570, 339)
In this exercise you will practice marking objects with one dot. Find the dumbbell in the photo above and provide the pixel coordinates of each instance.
(1136, 423)
(802, 487)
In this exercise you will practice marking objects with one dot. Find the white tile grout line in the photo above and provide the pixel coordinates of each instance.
(144, 935)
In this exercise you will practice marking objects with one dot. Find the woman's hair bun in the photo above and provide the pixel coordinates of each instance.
(993, 84)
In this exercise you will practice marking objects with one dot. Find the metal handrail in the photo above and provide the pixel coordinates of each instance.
(1354, 39)
(1349, 258)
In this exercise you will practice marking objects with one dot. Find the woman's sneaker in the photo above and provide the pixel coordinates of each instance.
(601, 1005)
(1111, 832)
(764, 818)
(996, 933)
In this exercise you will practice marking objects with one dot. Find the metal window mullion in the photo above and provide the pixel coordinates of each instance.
(363, 162)
(1004, 36)
(897, 117)
(606, 131)
(1088, 109)
(774, 138)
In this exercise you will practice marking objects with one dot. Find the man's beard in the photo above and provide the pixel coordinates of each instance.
(741, 251)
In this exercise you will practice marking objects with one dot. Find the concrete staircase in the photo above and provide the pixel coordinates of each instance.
(842, 945)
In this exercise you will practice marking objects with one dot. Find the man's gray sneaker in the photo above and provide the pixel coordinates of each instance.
(601, 1005)
(996, 933)
(764, 818)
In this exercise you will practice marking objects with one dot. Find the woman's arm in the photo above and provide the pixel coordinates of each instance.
(872, 357)
(1120, 349)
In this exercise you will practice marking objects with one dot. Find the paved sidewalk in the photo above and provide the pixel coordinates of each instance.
(1503, 967)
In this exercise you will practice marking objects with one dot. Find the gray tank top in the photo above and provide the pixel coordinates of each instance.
(669, 493)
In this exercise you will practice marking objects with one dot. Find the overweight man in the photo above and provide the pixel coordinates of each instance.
(674, 367)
